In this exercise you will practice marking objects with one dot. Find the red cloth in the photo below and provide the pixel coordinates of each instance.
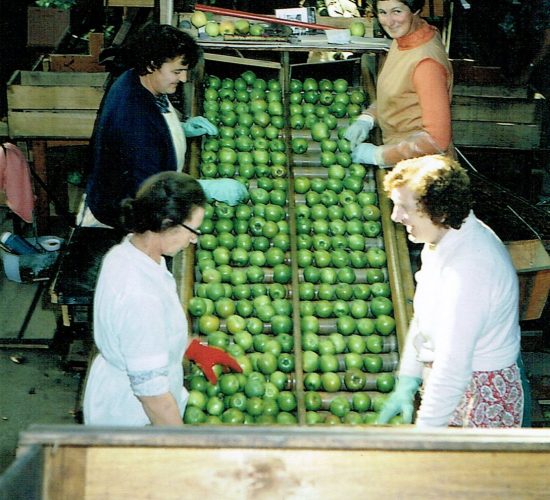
(15, 181)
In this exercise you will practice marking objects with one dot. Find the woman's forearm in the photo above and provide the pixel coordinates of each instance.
(162, 409)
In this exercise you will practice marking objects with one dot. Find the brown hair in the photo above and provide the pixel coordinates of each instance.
(164, 200)
(414, 5)
(440, 184)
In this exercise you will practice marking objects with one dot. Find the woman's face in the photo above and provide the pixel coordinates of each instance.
(419, 226)
(396, 18)
(165, 80)
(179, 237)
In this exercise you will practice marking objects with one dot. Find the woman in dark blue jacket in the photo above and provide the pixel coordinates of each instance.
(138, 132)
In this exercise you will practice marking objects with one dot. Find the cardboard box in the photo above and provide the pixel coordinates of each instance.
(54, 105)
(46, 27)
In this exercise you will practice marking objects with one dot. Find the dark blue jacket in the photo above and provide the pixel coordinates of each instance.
(131, 141)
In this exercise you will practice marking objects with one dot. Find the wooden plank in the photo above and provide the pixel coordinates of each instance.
(77, 125)
(498, 91)
(534, 289)
(528, 255)
(130, 3)
(88, 63)
(146, 473)
(496, 109)
(49, 79)
(64, 472)
(294, 437)
(245, 61)
(59, 93)
(503, 135)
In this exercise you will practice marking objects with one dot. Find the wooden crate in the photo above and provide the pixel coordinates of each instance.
(532, 264)
(434, 8)
(274, 463)
(130, 3)
(496, 116)
(54, 105)
(46, 27)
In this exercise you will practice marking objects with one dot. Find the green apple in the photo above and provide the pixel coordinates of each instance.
(357, 28)
(242, 27)
(212, 28)
(256, 29)
(199, 19)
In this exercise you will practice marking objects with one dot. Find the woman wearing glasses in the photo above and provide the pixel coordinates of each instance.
(140, 328)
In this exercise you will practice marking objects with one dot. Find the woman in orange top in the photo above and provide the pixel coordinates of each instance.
(414, 89)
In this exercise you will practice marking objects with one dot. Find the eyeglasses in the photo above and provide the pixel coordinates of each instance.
(192, 229)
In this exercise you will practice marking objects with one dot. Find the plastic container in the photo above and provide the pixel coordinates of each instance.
(30, 267)
(18, 245)
(342, 36)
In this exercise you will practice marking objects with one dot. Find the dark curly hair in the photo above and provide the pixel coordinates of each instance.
(441, 186)
(154, 44)
(164, 200)
(414, 5)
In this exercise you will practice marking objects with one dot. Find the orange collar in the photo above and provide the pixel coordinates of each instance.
(422, 35)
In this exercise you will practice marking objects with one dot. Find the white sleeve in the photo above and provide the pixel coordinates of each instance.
(144, 343)
(462, 311)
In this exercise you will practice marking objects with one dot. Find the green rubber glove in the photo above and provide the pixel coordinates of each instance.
(198, 125)
(228, 191)
(401, 400)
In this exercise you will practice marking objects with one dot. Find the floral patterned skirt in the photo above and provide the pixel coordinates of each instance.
(492, 399)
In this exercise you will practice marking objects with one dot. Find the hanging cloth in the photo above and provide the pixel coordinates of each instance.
(15, 181)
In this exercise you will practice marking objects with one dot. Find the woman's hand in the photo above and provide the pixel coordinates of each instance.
(206, 357)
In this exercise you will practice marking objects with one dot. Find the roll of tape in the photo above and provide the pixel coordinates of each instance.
(50, 244)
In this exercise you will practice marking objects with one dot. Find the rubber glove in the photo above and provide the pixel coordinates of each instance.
(369, 154)
(198, 125)
(228, 191)
(206, 357)
(401, 400)
(359, 130)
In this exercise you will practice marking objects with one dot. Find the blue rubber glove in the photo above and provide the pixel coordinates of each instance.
(368, 153)
(228, 191)
(359, 130)
(198, 125)
(401, 400)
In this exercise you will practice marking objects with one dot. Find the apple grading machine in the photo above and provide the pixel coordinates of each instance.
(297, 460)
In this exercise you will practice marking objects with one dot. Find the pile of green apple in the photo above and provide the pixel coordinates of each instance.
(225, 27)
(319, 105)
(248, 112)
(242, 300)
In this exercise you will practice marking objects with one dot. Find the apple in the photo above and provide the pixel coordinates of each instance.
(339, 406)
(376, 257)
(212, 28)
(227, 27)
(242, 26)
(354, 380)
(373, 363)
(339, 342)
(330, 382)
(256, 29)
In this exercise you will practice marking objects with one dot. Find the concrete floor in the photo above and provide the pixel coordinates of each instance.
(35, 385)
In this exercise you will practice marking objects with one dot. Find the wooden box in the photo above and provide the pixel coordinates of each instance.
(76, 462)
(434, 8)
(54, 105)
(46, 27)
(496, 116)
(130, 3)
(532, 264)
